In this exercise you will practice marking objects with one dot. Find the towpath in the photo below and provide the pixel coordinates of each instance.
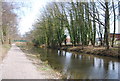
(17, 66)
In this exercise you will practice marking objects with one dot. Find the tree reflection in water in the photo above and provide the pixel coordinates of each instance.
(81, 66)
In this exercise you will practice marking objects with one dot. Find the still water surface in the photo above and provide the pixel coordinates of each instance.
(80, 66)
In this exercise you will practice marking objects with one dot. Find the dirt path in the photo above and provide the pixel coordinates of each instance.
(17, 66)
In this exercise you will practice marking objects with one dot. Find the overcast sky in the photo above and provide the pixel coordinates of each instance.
(28, 13)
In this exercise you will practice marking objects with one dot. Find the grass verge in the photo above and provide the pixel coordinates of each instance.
(4, 49)
(42, 67)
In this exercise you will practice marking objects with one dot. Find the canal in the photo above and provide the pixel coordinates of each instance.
(80, 66)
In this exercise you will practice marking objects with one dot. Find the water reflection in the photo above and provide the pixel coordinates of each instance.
(81, 66)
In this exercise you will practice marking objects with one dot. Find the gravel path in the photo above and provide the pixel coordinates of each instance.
(17, 66)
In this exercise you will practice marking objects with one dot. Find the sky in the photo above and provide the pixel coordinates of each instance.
(29, 12)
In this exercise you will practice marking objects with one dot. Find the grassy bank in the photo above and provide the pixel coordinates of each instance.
(112, 52)
(4, 49)
(43, 67)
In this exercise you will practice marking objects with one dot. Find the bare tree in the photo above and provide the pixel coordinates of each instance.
(114, 23)
(9, 22)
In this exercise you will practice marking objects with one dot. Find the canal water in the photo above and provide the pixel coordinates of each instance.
(80, 66)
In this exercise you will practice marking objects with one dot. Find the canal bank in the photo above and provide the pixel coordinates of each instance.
(101, 51)
(74, 65)
(42, 66)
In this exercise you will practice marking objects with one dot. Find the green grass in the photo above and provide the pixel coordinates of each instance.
(6, 46)
(5, 49)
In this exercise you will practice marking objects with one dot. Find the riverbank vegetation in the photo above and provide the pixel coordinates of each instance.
(86, 23)
(112, 52)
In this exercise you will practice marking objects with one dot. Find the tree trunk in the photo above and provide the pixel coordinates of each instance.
(94, 25)
(119, 7)
(114, 24)
(100, 31)
(107, 25)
